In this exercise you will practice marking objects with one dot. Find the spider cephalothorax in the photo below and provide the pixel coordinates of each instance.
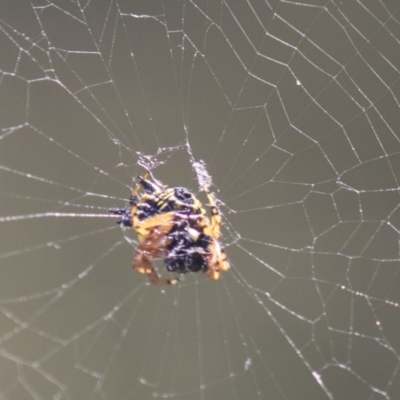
(171, 224)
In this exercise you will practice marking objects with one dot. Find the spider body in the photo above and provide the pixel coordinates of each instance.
(171, 224)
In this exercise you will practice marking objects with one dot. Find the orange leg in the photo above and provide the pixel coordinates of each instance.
(144, 266)
(163, 222)
(216, 220)
(153, 247)
(212, 272)
(223, 261)
(217, 261)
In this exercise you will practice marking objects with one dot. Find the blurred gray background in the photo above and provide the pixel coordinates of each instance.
(294, 109)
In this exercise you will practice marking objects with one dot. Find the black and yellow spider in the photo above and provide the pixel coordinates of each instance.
(171, 224)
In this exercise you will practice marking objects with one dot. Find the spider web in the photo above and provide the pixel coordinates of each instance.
(289, 109)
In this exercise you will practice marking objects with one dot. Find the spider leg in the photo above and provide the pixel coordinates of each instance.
(143, 265)
(212, 272)
(153, 247)
(217, 261)
(215, 216)
(139, 184)
(163, 222)
(223, 262)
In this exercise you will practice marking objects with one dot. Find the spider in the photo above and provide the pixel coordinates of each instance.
(171, 224)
